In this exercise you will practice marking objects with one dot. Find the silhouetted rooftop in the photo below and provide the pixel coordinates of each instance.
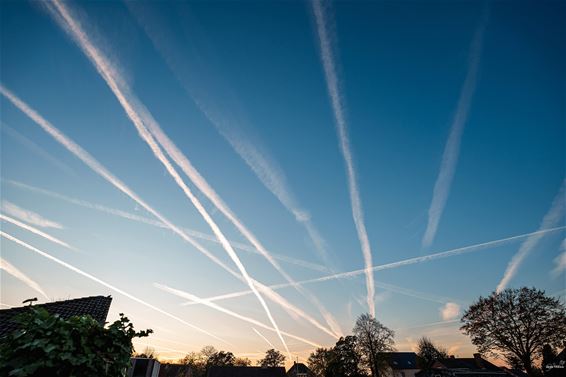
(95, 306)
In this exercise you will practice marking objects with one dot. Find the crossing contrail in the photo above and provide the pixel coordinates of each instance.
(155, 223)
(31, 229)
(452, 149)
(264, 338)
(107, 285)
(150, 131)
(199, 81)
(28, 216)
(327, 57)
(404, 262)
(219, 308)
(15, 272)
(135, 111)
(98, 168)
(552, 218)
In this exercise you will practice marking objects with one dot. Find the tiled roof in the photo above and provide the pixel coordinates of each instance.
(469, 363)
(246, 372)
(96, 306)
(401, 360)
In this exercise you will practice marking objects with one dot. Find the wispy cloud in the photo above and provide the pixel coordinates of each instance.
(552, 218)
(264, 338)
(199, 80)
(327, 57)
(452, 149)
(560, 260)
(405, 262)
(15, 272)
(28, 216)
(107, 285)
(155, 223)
(148, 128)
(189, 296)
(450, 311)
(30, 228)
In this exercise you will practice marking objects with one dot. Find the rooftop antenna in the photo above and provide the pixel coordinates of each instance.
(30, 300)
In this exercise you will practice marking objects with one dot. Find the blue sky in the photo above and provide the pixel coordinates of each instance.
(244, 91)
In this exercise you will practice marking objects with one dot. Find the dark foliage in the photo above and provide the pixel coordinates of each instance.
(516, 323)
(273, 358)
(47, 345)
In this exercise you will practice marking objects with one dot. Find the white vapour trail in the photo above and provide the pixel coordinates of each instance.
(199, 80)
(148, 221)
(552, 218)
(219, 308)
(560, 260)
(34, 148)
(452, 149)
(405, 262)
(107, 285)
(28, 216)
(103, 172)
(264, 338)
(132, 106)
(327, 57)
(30, 228)
(142, 120)
(15, 272)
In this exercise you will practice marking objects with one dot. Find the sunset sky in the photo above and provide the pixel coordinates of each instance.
(397, 158)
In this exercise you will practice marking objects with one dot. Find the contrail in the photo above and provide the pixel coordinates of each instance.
(327, 57)
(28, 216)
(84, 156)
(148, 221)
(551, 218)
(35, 231)
(254, 322)
(33, 147)
(560, 260)
(107, 285)
(264, 338)
(452, 149)
(141, 118)
(405, 262)
(199, 80)
(15, 272)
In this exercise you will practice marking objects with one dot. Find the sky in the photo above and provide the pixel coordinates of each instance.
(312, 161)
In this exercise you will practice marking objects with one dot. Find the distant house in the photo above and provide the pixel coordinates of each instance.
(299, 370)
(95, 306)
(464, 367)
(245, 372)
(401, 364)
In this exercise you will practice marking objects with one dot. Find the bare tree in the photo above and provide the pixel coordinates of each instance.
(373, 338)
(429, 353)
(516, 323)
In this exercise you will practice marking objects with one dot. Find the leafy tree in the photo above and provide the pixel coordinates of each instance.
(429, 353)
(220, 359)
(242, 362)
(373, 338)
(318, 361)
(344, 359)
(273, 358)
(48, 345)
(516, 323)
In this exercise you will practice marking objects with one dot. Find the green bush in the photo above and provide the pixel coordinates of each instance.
(48, 345)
